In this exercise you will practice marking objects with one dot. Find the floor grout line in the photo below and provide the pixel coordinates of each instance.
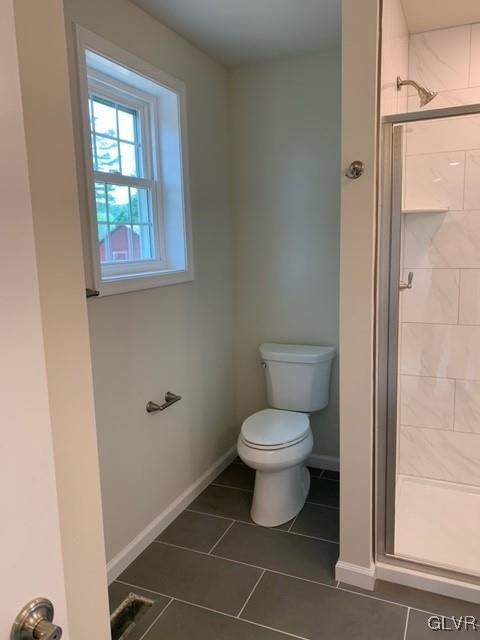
(251, 594)
(275, 629)
(321, 504)
(137, 586)
(281, 573)
(212, 515)
(372, 597)
(335, 586)
(406, 624)
(229, 486)
(156, 619)
(289, 530)
(306, 535)
(323, 477)
(252, 524)
(246, 564)
(229, 615)
(210, 553)
(222, 536)
(201, 606)
(178, 546)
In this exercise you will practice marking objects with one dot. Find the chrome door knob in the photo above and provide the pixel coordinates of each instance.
(355, 169)
(47, 631)
(34, 622)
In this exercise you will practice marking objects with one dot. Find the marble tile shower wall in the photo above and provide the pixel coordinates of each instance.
(440, 321)
(447, 61)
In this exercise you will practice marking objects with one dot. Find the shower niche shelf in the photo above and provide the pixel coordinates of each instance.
(426, 210)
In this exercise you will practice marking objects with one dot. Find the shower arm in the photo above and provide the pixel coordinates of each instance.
(424, 94)
(403, 83)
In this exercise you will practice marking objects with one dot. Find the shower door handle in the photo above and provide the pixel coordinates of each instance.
(408, 284)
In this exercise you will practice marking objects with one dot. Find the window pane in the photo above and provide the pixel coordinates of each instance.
(118, 204)
(103, 242)
(107, 155)
(126, 125)
(127, 243)
(105, 118)
(94, 155)
(144, 234)
(120, 241)
(102, 231)
(101, 201)
(139, 205)
(129, 159)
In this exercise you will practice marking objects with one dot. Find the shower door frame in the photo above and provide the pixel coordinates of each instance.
(388, 272)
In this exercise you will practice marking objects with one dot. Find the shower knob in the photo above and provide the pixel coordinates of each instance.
(355, 170)
(34, 622)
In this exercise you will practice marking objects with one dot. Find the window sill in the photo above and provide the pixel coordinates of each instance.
(138, 283)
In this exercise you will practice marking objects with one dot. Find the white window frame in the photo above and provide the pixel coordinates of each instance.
(149, 111)
(131, 276)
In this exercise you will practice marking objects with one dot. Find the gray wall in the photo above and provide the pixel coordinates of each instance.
(282, 139)
(285, 151)
(177, 338)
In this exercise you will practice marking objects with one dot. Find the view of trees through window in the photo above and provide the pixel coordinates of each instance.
(124, 223)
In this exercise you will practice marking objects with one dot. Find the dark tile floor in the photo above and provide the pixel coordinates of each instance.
(214, 575)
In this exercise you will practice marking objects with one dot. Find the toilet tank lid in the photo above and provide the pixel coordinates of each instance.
(307, 354)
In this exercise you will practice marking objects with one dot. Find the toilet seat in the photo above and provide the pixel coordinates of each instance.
(272, 429)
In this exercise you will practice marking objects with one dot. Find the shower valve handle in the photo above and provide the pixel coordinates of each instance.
(409, 283)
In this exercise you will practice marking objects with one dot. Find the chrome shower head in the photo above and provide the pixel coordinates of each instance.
(424, 94)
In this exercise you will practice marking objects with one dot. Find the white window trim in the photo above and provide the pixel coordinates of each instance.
(144, 277)
(148, 108)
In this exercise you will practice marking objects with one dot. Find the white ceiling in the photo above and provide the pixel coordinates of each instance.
(424, 15)
(243, 31)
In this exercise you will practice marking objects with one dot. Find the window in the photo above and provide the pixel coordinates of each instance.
(136, 170)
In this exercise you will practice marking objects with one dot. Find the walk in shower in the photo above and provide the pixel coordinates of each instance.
(428, 377)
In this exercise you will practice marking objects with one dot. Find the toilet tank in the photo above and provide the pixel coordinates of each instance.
(298, 376)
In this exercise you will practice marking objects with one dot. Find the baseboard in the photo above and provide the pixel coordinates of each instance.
(317, 461)
(428, 582)
(356, 575)
(128, 554)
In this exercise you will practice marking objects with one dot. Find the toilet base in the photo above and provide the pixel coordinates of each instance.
(279, 495)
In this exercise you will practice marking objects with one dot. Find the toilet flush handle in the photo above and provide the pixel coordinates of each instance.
(264, 364)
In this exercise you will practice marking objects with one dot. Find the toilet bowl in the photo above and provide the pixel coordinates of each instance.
(276, 442)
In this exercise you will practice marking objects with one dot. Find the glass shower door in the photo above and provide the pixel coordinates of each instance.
(433, 492)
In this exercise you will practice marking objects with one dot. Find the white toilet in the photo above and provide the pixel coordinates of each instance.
(276, 442)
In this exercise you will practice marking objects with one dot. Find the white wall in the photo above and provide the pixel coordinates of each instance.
(53, 189)
(394, 57)
(360, 87)
(285, 151)
(33, 563)
(177, 338)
